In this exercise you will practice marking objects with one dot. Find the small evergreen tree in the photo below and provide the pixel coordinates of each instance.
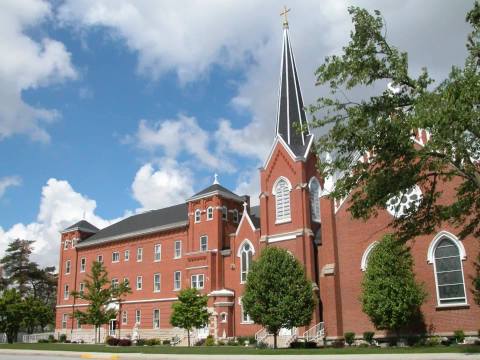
(12, 313)
(190, 311)
(277, 292)
(99, 292)
(390, 295)
(476, 282)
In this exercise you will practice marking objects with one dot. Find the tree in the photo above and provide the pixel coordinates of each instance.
(277, 292)
(476, 282)
(12, 312)
(372, 139)
(100, 293)
(190, 311)
(37, 314)
(390, 295)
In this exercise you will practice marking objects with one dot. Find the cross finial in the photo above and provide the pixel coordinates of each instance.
(215, 179)
(284, 14)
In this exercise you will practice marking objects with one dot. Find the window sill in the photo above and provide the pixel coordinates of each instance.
(247, 322)
(277, 222)
(452, 307)
(177, 257)
(157, 260)
(114, 262)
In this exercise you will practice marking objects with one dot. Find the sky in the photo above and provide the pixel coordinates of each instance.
(113, 107)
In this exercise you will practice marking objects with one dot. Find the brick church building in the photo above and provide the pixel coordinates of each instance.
(208, 242)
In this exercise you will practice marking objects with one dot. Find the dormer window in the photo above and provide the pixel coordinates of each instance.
(209, 213)
(314, 187)
(281, 191)
(224, 213)
(197, 215)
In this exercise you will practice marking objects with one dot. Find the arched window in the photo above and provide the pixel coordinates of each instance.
(447, 254)
(366, 255)
(245, 252)
(281, 190)
(197, 215)
(209, 213)
(314, 187)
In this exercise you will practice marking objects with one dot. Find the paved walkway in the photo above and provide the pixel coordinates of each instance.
(7, 354)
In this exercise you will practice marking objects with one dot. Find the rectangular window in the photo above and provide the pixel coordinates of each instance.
(100, 258)
(210, 213)
(157, 252)
(197, 281)
(126, 282)
(203, 243)
(83, 264)
(139, 282)
(156, 319)
(139, 254)
(197, 215)
(156, 282)
(114, 283)
(138, 316)
(127, 255)
(66, 244)
(235, 216)
(224, 213)
(66, 292)
(178, 249)
(245, 318)
(64, 321)
(81, 288)
(115, 256)
(67, 267)
(177, 280)
(124, 317)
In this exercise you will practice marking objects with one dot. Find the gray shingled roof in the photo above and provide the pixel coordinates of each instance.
(82, 225)
(255, 216)
(147, 222)
(217, 188)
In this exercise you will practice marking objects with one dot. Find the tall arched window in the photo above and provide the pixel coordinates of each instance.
(245, 252)
(366, 255)
(314, 187)
(447, 260)
(281, 190)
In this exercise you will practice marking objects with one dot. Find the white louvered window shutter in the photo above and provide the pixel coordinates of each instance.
(282, 199)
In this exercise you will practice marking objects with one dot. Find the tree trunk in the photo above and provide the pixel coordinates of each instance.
(275, 334)
(188, 335)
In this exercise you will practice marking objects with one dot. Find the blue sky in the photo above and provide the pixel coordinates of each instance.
(109, 107)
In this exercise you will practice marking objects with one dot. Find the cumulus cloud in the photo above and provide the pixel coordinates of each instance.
(60, 207)
(9, 181)
(161, 185)
(28, 64)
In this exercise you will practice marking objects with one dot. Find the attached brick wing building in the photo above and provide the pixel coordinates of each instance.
(209, 241)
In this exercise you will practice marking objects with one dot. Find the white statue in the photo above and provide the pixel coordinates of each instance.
(135, 335)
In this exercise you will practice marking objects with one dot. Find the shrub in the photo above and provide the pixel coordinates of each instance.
(152, 342)
(141, 342)
(220, 343)
(459, 336)
(111, 341)
(349, 338)
(433, 341)
(232, 342)
(338, 344)
(124, 342)
(297, 344)
(413, 340)
(368, 337)
(200, 342)
(242, 339)
(43, 341)
(251, 340)
(210, 341)
(166, 342)
(446, 341)
(62, 338)
(261, 345)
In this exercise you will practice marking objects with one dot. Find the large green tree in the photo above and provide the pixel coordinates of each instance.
(277, 292)
(37, 314)
(12, 313)
(190, 311)
(383, 126)
(100, 293)
(391, 297)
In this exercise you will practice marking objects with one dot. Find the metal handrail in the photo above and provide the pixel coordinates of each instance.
(315, 332)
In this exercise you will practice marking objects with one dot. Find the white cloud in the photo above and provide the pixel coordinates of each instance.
(26, 64)
(162, 185)
(249, 184)
(9, 181)
(60, 207)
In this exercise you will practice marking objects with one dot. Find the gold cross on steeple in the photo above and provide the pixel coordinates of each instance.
(284, 14)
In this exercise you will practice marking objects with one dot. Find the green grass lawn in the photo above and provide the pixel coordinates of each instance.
(241, 350)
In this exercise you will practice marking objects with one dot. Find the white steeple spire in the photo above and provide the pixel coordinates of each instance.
(215, 179)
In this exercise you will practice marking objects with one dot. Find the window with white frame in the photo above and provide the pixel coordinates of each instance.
(224, 213)
(178, 249)
(81, 288)
(124, 317)
(197, 281)
(126, 255)
(100, 258)
(281, 191)
(156, 283)
(126, 282)
(139, 282)
(64, 321)
(203, 243)
(209, 213)
(139, 254)
(83, 264)
(177, 280)
(244, 317)
(115, 256)
(235, 216)
(157, 252)
(314, 187)
(197, 215)
(66, 244)
(138, 316)
(449, 273)
(366, 255)
(66, 292)
(156, 319)
(223, 317)
(246, 255)
(67, 267)
(114, 283)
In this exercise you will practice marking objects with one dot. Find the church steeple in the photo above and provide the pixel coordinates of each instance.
(292, 123)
